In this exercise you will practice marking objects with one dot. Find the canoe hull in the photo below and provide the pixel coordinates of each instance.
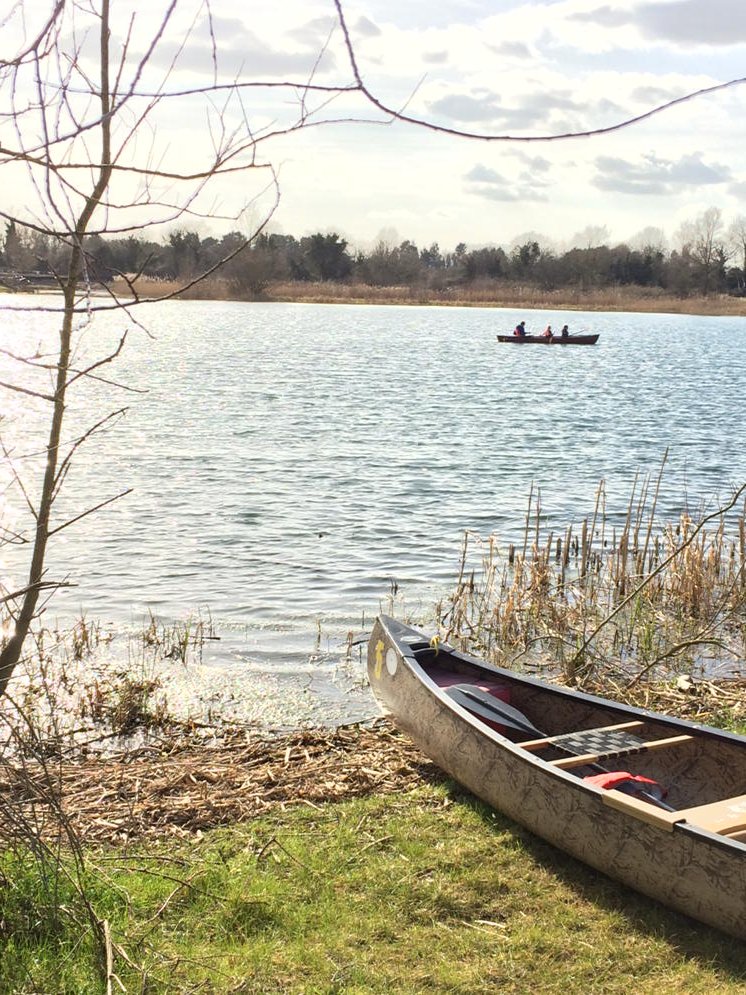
(554, 340)
(693, 871)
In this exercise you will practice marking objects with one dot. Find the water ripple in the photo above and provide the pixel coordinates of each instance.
(289, 461)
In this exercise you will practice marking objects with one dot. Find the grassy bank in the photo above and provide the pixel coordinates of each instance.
(143, 852)
(487, 294)
(321, 863)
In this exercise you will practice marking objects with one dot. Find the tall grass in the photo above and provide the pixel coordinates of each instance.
(46, 903)
(485, 292)
(600, 599)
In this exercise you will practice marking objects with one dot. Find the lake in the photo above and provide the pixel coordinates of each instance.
(293, 465)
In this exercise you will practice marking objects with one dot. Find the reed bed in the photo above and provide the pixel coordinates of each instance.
(607, 600)
(80, 693)
(479, 293)
(502, 293)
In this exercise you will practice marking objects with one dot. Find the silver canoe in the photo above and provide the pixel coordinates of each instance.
(688, 851)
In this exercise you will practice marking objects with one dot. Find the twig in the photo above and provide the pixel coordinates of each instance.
(109, 957)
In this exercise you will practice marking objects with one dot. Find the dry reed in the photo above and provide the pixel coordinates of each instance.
(480, 293)
(180, 786)
(597, 599)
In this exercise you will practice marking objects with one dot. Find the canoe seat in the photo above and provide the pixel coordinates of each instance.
(727, 816)
(618, 744)
(586, 739)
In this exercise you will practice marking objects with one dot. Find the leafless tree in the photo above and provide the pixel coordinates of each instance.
(86, 100)
(736, 236)
(703, 241)
(590, 237)
(649, 239)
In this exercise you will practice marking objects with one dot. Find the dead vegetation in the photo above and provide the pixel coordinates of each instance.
(189, 782)
(186, 785)
(607, 602)
(479, 294)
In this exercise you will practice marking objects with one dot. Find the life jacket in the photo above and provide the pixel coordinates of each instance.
(623, 779)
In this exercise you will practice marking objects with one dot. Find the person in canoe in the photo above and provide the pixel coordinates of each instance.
(520, 329)
(548, 333)
(565, 333)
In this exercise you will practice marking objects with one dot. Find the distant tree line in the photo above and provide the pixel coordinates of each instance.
(708, 259)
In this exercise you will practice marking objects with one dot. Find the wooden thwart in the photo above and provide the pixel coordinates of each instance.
(645, 811)
(567, 763)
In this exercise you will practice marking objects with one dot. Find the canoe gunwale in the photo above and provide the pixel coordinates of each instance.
(516, 749)
(635, 808)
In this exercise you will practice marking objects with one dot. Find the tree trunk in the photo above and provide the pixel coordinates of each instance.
(11, 652)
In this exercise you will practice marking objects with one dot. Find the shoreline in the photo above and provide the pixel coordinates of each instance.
(190, 779)
(614, 300)
(702, 308)
(188, 785)
(291, 877)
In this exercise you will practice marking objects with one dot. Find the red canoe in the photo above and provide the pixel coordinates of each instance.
(554, 340)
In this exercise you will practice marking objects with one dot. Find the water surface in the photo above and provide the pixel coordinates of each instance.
(291, 465)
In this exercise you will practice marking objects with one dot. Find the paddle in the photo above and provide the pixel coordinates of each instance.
(484, 706)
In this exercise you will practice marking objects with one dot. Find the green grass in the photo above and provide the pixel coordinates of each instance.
(429, 892)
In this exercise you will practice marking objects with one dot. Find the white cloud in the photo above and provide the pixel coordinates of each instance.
(510, 68)
(512, 49)
(435, 58)
(651, 176)
(536, 163)
(717, 22)
(242, 52)
(364, 26)
(738, 190)
(483, 181)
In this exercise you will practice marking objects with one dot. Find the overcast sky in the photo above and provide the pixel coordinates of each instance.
(529, 68)
(503, 67)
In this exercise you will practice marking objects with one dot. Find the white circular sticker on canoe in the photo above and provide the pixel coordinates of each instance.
(392, 660)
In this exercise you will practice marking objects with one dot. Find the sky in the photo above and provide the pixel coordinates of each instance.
(505, 68)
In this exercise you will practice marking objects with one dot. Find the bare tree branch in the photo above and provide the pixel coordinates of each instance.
(33, 48)
(99, 363)
(89, 511)
(84, 438)
(398, 115)
(85, 129)
(27, 391)
(40, 586)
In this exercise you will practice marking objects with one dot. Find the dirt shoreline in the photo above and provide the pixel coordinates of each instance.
(189, 780)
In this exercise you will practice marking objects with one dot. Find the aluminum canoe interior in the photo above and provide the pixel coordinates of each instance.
(699, 767)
